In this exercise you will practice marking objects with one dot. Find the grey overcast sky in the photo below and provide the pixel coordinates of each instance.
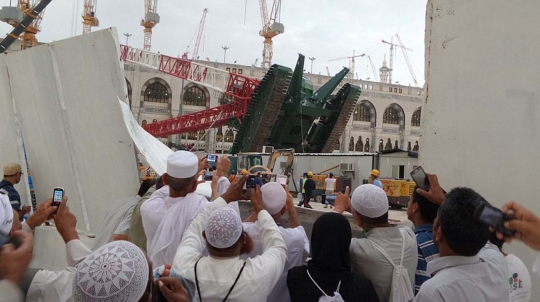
(324, 29)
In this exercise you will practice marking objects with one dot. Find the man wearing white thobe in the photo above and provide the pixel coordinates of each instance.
(166, 218)
(221, 226)
(276, 201)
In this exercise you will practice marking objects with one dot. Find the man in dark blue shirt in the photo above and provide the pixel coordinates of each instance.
(422, 213)
(12, 176)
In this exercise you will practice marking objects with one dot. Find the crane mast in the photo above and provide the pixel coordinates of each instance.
(270, 29)
(29, 37)
(199, 35)
(411, 70)
(89, 16)
(151, 18)
(352, 61)
(375, 75)
(391, 43)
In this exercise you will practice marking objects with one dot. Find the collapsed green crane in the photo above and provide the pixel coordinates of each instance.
(296, 117)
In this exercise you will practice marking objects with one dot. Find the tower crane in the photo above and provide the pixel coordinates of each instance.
(89, 16)
(391, 43)
(151, 18)
(351, 62)
(411, 70)
(25, 9)
(270, 29)
(199, 35)
(327, 71)
(375, 75)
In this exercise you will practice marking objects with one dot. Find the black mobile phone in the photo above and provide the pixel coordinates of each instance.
(494, 218)
(157, 295)
(251, 182)
(212, 158)
(58, 194)
(420, 178)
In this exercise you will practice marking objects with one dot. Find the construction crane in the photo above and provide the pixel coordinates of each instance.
(270, 29)
(375, 75)
(89, 16)
(413, 75)
(21, 21)
(151, 18)
(391, 43)
(351, 61)
(255, 63)
(26, 8)
(327, 71)
(198, 35)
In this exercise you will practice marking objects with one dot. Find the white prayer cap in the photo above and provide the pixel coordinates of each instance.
(273, 197)
(182, 164)
(224, 227)
(370, 201)
(117, 271)
(6, 214)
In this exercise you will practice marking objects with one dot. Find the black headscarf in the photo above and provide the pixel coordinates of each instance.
(330, 241)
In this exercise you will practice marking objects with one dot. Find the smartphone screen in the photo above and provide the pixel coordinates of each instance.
(251, 182)
(211, 158)
(494, 218)
(420, 178)
(58, 194)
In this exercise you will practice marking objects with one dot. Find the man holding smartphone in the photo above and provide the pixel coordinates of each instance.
(12, 176)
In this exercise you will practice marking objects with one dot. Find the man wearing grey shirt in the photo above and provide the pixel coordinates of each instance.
(469, 268)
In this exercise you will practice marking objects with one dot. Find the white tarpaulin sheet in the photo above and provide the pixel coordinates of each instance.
(65, 96)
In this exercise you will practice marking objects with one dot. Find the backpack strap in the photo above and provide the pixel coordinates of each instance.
(385, 254)
(230, 290)
(322, 291)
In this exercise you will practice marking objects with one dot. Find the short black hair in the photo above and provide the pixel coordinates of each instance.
(428, 209)
(179, 184)
(331, 175)
(465, 235)
(145, 186)
(375, 221)
(496, 241)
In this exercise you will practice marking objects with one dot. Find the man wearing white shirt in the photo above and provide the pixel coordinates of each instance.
(166, 218)
(330, 182)
(469, 268)
(223, 275)
(277, 201)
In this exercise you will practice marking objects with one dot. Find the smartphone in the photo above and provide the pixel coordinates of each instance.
(211, 158)
(420, 178)
(494, 218)
(58, 194)
(282, 179)
(251, 182)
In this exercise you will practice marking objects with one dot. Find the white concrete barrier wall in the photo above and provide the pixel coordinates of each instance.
(481, 116)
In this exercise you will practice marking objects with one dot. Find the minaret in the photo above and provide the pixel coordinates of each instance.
(384, 71)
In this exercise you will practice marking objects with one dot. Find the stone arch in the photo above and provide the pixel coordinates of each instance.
(196, 95)
(394, 115)
(416, 117)
(365, 112)
(156, 90)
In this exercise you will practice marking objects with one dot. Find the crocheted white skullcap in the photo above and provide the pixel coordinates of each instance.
(117, 271)
(273, 197)
(224, 227)
(370, 201)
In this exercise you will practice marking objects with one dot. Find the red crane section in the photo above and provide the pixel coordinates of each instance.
(199, 35)
(238, 87)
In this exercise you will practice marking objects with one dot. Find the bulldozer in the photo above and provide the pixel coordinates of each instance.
(253, 164)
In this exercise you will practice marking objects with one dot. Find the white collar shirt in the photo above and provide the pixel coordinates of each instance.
(480, 278)
(297, 244)
(369, 262)
(217, 275)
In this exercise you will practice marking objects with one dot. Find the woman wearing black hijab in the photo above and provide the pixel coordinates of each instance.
(330, 241)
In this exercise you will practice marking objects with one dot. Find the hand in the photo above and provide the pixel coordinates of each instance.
(342, 202)
(235, 191)
(172, 289)
(214, 186)
(203, 163)
(14, 262)
(44, 212)
(435, 193)
(223, 166)
(27, 209)
(66, 222)
(526, 224)
(290, 200)
(201, 173)
(256, 199)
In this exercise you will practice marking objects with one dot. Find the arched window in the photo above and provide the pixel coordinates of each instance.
(192, 136)
(154, 121)
(129, 91)
(157, 93)
(195, 96)
(219, 135)
(415, 122)
(351, 144)
(391, 116)
(201, 134)
(229, 136)
(362, 114)
(143, 122)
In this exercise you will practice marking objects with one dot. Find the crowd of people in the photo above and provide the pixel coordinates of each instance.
(168, 243)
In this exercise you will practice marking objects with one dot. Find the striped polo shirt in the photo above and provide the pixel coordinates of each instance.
(427, 251)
